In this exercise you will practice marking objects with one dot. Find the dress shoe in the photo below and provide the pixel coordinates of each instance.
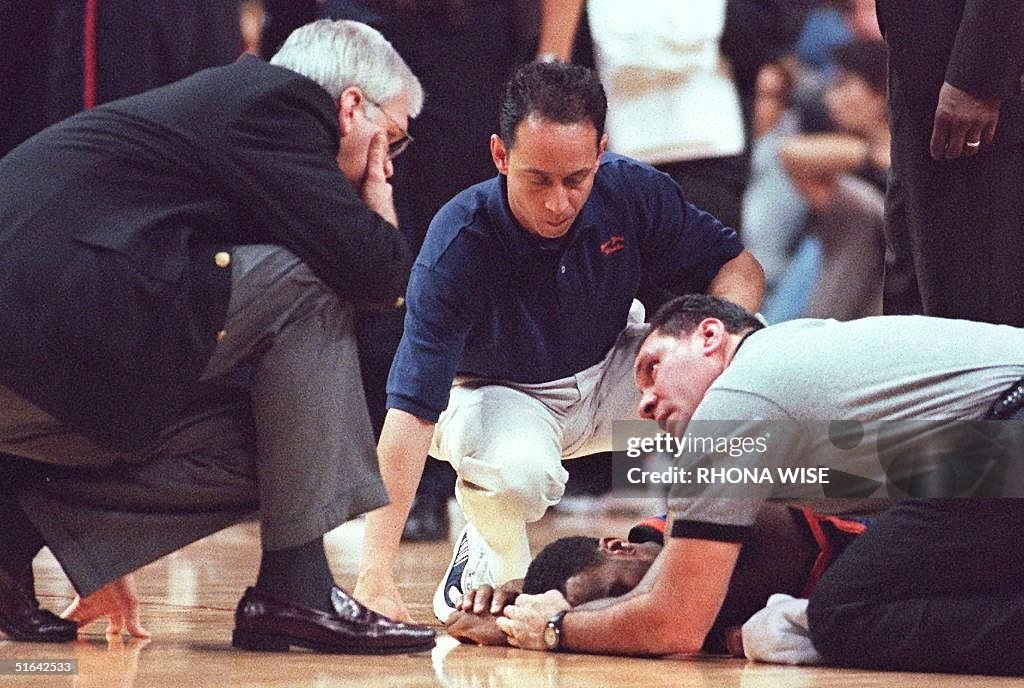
(263, 622)
(428, 519)
(22, 619)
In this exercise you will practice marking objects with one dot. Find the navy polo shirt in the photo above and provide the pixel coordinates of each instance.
(486, 298)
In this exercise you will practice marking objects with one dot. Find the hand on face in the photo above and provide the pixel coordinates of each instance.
(376, 191)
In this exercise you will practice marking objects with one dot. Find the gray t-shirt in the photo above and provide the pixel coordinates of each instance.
(877, 401)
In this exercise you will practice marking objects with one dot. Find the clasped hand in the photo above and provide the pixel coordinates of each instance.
(524, 622)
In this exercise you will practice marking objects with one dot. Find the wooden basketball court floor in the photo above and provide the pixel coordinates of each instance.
(189, 599)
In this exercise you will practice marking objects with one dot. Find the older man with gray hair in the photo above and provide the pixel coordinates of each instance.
(178, 272)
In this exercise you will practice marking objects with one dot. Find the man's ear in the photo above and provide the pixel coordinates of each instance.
(499, 154)
(349, 101)
(602, 145)
(713, 335)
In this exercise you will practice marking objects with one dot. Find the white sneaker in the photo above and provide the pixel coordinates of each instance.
(466, 570)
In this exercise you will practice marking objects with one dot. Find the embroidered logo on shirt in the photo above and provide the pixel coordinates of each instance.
(615, 243)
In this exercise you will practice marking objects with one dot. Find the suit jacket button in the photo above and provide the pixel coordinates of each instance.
(222, 259)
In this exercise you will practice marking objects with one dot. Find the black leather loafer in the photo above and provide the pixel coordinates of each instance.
(263, 622)
(22, 619)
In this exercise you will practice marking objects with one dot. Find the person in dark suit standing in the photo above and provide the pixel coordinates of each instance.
(955, 212)
(179, 271)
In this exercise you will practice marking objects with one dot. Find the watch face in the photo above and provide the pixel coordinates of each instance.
(551, 637)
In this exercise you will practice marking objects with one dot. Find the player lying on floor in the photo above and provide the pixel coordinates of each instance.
(788, 550)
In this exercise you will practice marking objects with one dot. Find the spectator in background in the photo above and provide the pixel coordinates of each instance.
(842, 176)
(672, 101)
(774, 212)
(832, 23)
(684, 101)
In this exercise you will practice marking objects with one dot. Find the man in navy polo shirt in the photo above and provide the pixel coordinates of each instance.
(522, 325)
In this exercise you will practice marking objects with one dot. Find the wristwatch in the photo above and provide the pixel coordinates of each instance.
(553, 632)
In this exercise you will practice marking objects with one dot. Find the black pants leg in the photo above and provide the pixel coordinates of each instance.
(933, 585)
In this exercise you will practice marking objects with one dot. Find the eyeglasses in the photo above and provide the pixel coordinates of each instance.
(395, 148)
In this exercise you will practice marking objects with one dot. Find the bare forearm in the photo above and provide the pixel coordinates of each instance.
(822, 155)
(628, 626)
(402, 451)
(741, 281)
(558, 22)
(681, 596)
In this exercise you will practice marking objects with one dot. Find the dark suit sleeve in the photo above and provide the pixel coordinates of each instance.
(279, 161)
(988, 55)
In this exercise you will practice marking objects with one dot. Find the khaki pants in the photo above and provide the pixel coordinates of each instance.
(506, 441)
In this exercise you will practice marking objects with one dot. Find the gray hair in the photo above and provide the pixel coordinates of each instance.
(340, 54)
